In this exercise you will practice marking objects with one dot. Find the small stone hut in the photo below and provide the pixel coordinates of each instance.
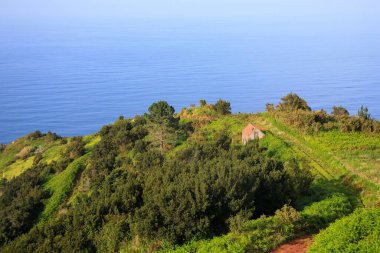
(251, 132)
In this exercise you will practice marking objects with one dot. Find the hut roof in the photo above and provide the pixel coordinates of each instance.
(250, 128)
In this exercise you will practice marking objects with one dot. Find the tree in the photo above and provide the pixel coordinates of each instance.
(363, 113)
(292, 102)
(162, 124)
(223, 107)
(339, 111)
(202, 102)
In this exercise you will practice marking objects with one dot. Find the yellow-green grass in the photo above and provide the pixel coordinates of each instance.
(234, 124)
(91, 140)
(18, 167)
(61, 185)
(359, 152)
(337, 155)
(53, 153)
(12, 166)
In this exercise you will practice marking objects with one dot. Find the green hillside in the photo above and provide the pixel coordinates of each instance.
(183, 182)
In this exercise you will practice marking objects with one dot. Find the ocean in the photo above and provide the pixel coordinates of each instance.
(74, 78)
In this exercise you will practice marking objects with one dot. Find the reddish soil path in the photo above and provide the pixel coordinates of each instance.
(299, 245)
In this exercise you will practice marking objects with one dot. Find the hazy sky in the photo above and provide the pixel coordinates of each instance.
(263, 9)
(351, 14)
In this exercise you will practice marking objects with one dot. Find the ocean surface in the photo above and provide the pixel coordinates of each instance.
(73, 79)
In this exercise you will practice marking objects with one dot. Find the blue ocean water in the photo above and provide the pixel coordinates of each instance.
(72, 79)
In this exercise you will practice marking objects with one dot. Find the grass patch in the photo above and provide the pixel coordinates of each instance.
(53, 153)
(91, 140)
(18, 167)
(359, 232)
(61, 186)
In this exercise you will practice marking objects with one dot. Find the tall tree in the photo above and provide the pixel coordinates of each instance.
(162, 124)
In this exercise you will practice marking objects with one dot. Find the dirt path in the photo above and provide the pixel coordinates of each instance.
(299, 245)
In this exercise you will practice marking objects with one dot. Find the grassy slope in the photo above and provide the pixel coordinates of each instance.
(64, 185)
(351, 157)
(61, 185)
(12, 166)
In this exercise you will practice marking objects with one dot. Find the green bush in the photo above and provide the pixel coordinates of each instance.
(359, 232)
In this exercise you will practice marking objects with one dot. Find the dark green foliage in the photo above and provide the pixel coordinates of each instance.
(161, 113)
(222, 107)
(96, 222)
(195, 194)
(116, 140)
(223, 140)
(21, 202)
(162, 125)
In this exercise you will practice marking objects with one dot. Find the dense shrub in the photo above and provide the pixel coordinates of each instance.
(292, 102)
(195, 194)
(21, 202)
(116, 141)
(265, 233)
(295, 112)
